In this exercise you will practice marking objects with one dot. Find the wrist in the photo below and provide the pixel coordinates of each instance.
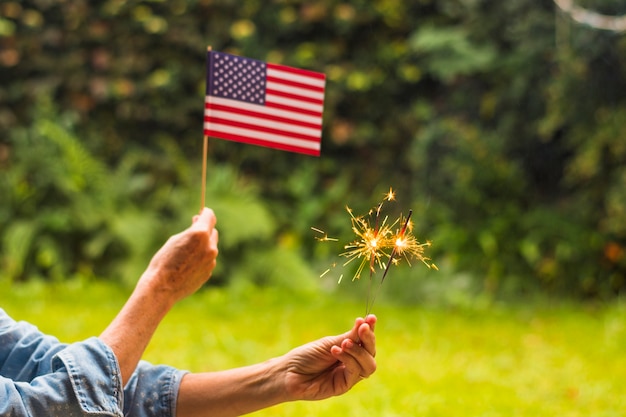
(233, 392)
(271, 382)
(150, 290)
(131, 330)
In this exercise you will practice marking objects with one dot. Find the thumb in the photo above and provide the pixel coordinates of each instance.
(205, 220)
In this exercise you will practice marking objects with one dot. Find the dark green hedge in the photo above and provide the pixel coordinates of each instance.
(502, 124)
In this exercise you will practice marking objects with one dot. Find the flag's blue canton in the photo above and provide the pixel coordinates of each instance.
(237, 78)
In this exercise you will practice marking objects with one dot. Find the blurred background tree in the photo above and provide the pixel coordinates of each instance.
(502, 124)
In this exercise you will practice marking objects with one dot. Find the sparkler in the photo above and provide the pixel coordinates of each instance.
(379, 244)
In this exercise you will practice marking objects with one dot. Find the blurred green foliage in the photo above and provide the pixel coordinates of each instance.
(502, 124)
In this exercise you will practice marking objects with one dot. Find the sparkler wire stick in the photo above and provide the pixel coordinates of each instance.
(369, 284)
(391, 258)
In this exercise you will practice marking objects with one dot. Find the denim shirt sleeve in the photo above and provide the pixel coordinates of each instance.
(152, 391)
(41, 377)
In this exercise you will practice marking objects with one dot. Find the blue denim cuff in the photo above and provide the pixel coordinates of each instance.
(152, 391)
(95, 376)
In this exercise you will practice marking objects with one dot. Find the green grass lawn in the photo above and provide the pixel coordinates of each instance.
(541, 360)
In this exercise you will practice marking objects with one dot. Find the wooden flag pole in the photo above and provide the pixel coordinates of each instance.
(205, 151)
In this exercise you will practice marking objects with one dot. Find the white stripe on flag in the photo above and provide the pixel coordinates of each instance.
(298, 104)
(302, 92)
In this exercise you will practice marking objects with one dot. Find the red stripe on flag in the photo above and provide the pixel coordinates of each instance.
(311, 74)
(266, 143)
(243, 112)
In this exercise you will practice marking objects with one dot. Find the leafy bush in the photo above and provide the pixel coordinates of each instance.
(501, 122)
(65, 213)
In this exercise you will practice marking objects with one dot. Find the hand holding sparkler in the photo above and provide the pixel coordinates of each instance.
(332, 365)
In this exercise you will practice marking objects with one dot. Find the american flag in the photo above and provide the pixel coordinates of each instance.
(263, 104)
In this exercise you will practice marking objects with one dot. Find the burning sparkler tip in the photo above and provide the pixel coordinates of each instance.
(380, 243)
(324, 238)
(391, 195)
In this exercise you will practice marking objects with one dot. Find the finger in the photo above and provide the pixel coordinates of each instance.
(213, 250)
(354, 332)
(367, 338)
(357, 361)
(215, 238)
(371, 320)
(349, 363)
(365, 360)
(358, 356)
(205, 220)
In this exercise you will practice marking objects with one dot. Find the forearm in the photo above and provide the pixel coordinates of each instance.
(130, 332)
(177, 270)
(317, 370)
(233, 392)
